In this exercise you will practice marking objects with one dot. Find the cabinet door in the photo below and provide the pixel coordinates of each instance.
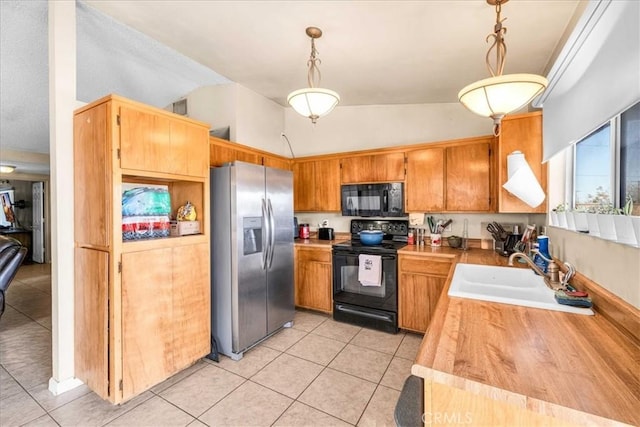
(92, 211)
(191, 304)
(91, 302)
(418, 297)
(327, 185)
(276, 162)
(304, 188)
(373, 168)
(425, 180)
(221, 152)
(147, 319)
(468, 177)
(313, 284)
(189, 150)
(421, 281)
(145, 141)
(521, 133)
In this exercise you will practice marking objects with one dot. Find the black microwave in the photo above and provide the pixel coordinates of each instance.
(383, 200)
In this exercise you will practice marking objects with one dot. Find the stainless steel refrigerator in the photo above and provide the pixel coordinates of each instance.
(251, 254)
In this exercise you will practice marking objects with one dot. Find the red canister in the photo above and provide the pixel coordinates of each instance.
(303, 231)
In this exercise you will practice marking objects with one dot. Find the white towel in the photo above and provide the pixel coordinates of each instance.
(370, 270)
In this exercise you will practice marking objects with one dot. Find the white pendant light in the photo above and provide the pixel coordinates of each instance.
(313, 102)
(7, 168)
(499, 95)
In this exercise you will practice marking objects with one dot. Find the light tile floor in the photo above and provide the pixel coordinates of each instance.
(318, 373)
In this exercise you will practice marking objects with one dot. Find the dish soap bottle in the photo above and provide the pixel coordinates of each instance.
(543, 248)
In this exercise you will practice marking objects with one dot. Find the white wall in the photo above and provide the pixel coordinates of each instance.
(476, 221)
(215, 105)
(351, 128)
(612, 265)
(259, 122)
(254, 120)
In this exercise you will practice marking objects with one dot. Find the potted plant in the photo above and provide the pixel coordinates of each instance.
(560, 212)
(624, 224)
(571, 223)
(592, 223)
(607, 227)
(580, 220)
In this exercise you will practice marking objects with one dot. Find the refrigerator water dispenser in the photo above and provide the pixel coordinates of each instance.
(252, 232)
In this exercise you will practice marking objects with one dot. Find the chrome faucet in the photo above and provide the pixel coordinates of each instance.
(552, 277)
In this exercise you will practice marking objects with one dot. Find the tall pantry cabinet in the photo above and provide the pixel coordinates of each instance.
(142, 307)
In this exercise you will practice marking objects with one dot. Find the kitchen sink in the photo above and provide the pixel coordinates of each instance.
(507, 285)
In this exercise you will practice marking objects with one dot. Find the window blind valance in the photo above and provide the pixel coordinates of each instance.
(596, 76)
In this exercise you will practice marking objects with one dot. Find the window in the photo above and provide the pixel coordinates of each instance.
(630, 157)
(607, 165)
(593, 178)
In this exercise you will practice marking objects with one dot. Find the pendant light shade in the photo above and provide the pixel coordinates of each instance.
(500, 94)
(7, 169)
(497, 96)
(313, 102)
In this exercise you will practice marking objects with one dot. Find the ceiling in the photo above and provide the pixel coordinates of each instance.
(372, 52)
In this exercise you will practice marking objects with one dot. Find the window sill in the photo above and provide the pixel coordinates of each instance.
(620, 229)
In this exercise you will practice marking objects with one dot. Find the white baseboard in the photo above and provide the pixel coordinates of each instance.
(58, 387)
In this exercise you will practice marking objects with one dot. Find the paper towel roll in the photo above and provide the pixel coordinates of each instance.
(522, 182)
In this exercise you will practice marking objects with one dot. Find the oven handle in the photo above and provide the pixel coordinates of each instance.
(361, 313)
(387, 257)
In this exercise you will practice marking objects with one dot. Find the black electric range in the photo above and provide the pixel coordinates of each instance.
(394, 238)
(359, 302)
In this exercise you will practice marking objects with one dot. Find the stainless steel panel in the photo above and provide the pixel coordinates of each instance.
(222, 246)
(280, 299)
(250, 286)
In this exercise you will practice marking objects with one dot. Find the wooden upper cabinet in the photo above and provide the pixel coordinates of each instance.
(222, 151)
(327, 178)
(304, 186)
(95, 205)
(154, 142)
(276, 162)
(388, 167)
(424, 188)
(188, 158)
(468, 177)
(145, 140)
(316, 186)
(453, 177)
(523, 133)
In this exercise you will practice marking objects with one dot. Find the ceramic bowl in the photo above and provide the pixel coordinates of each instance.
(454, 241)
(371, 237)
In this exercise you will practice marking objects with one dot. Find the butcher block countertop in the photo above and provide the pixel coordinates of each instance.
(572, 367)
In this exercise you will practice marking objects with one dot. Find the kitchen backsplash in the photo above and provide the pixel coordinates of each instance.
(342, 223)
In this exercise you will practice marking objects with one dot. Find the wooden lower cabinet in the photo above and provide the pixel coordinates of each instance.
(313, 278)
(160, 318)
(421, 280)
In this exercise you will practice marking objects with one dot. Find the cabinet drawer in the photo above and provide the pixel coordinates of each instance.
(420, 265)
(316, 255)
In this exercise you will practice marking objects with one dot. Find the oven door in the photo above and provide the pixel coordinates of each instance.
(347, 288)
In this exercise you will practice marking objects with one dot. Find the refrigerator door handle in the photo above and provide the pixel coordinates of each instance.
(272, 232)
(265, 236)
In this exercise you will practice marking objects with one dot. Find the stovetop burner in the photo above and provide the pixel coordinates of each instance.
(395, 236)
